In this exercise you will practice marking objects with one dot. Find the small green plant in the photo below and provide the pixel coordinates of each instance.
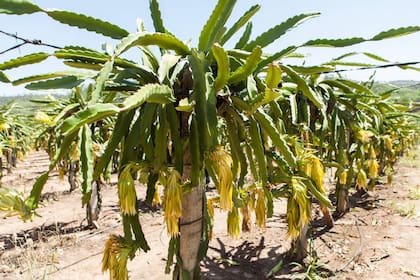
(315, 270)
(404, 211)
(414, 194)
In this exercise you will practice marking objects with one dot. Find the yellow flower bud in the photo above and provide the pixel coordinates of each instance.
(361, 180)
(115, 258)
(260, 208)
(173, 201)
(4, 126)
(298, 208)
(127, 192)
(19, 155)
(156, 197)
(210, 211)
(372, 152)
(388, 142)
(233, 223)
(43, 118)
(373, 168)
(343, 177)
(220, 161)
(363, 135)
(317, 173)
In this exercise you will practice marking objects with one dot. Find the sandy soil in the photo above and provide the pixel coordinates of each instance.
(377, 239)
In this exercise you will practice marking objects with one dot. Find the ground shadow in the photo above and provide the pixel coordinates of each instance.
(246, 261)
(364, 199)
(144, 207)
(40, 233)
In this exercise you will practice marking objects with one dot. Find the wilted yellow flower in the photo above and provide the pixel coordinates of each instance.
(233, 223)
(343, 177)
(127, 192)
(363, 135)
(260, 208)
(4, 126)
(210, 211)
(372, 152)
(220, 162)
(393, 156)
(317, 172)
(388, 142)
(361, 180)
(210, 207)
(156, 197)
(373, 168)
(298, 208)
(115, 258)
(19, 155)
(172, 200)
(43, 118)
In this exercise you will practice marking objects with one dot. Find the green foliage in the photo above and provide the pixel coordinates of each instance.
(165, 41)
(90, 114)
(212, 29)
(18, 7)
(156, 16)
(207, 107)
(86, 161)
(24, 60)
(392, 33)
(66, 82)
(240, 23)
(334, 42)
(276, 32)
(4, 78)
(357, 40)
(223, 69)
(88, 23)
(248, 67)
(152, 93)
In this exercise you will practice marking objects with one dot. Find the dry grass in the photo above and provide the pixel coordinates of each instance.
(34, 260)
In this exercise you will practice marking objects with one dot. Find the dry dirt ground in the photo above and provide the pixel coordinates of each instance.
(377, 239)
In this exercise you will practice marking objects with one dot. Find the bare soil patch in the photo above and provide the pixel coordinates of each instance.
(377, 239)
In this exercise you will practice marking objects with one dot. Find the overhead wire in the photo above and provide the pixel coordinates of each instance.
(24, 42)
(395, 64)
(40, 43)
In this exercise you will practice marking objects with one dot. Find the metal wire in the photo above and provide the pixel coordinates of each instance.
(40, 43)
(396, 64)
(24, 42)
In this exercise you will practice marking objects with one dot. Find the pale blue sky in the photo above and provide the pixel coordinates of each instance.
(339, 19)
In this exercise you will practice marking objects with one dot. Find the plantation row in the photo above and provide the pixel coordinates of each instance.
(261, 129)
